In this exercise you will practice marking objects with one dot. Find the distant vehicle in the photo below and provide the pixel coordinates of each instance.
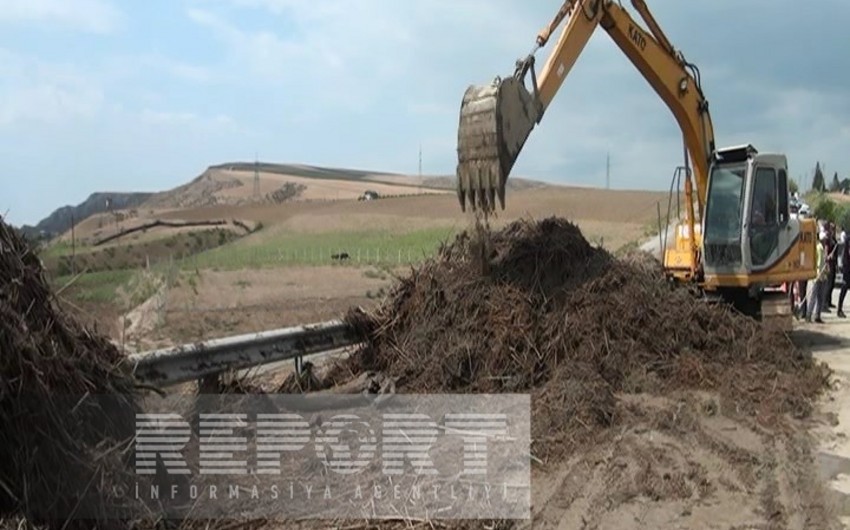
(369, 195)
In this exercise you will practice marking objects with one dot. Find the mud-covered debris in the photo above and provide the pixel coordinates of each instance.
(535, 308)
(67, 402)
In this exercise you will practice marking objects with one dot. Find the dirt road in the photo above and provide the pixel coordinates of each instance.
(830, 343)
(688, 463)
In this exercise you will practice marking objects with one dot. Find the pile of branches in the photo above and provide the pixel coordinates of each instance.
(67, 403)
(536, 308)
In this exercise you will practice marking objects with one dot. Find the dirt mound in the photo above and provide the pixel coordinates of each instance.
(535, 308)
(67, 402)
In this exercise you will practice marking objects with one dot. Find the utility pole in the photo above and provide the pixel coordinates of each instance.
(608, 171)
(420, 160)
(256, 176)
(73, 246)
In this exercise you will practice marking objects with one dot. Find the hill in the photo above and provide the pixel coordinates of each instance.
(233, 184)
(246, 183)
(60, 220)
(318, 172)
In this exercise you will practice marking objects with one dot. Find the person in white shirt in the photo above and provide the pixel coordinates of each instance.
(845, 272)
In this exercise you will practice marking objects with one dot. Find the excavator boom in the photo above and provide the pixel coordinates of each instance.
(496, 120)
(737, 238)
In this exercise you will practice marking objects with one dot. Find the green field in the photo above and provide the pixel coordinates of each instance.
(62, 248)
(295, 248)
(99, 287)
(376, 247)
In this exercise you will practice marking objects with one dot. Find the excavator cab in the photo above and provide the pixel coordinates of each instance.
(749, 244)
(749, 238)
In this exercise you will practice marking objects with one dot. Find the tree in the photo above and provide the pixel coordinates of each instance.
(826, 209)
(835, 185)
(792, 185)
(844, 217)
(818, 183)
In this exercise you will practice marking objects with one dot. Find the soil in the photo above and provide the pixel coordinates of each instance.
(681, 416)
(318, 188)
(219, 303)
(684, 462)
(140, 322)
(235, 187)
(670, 414)
(661, 414)
(831, 344)
(613, 215)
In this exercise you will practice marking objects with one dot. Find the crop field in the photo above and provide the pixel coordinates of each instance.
(96, 287)
(295, 244)
(297, 248)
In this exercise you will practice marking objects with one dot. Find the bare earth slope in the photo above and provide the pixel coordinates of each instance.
(234, 184)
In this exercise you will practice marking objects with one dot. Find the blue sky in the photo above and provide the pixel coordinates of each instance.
(108, 95)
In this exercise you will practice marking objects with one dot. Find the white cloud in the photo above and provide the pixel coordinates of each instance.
(32, 90)
(179, 69)
(404, 66)
(96, 16)
(355, 56)
(182, 118)
(365, 83)
(261, 53)
(161, 117)
(35, 91)
(47, 103)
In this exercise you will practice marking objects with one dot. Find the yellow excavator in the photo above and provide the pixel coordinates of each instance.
(738, 244)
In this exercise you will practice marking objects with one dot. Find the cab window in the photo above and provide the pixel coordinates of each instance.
(725, 204)
(784, 207)
(765, 205)
(764, 217)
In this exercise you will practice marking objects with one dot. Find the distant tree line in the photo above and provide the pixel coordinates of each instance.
(823, 206)
(836, 185)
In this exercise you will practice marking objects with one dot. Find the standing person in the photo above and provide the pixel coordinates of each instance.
(792, 295)
(828, 247)
(845, 272)
(832, 258)
(814, 296)
(800, 288)
(804, 287)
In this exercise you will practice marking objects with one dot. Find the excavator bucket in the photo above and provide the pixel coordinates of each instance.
(495, 121)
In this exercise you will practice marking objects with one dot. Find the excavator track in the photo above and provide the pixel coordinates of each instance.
(776, 310)
(772, 308)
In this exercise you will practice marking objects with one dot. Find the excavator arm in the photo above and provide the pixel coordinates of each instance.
(748, 244)
(496, 120)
